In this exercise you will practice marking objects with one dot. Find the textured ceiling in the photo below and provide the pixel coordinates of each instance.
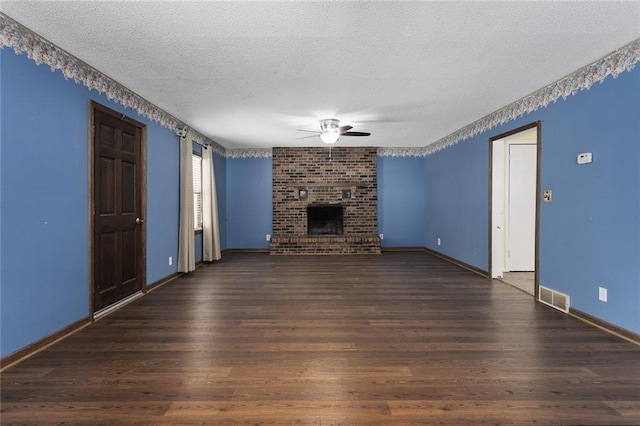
(248, 74)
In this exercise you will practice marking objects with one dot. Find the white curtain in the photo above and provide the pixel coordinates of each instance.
(210, 226)
(186, 243)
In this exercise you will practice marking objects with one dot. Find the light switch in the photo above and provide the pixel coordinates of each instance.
(585, 158)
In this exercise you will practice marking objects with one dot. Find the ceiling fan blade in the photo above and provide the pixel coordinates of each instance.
(310, 131)
(355, 134)
(343, 129)
(307, 137)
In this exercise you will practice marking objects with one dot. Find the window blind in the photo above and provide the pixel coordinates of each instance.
(197, 191)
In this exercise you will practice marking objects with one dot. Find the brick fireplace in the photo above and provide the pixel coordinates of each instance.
(340, 191)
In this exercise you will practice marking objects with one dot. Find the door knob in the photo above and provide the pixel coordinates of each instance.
(139, 221)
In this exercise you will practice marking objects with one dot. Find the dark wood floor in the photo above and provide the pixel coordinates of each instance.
(397, 338)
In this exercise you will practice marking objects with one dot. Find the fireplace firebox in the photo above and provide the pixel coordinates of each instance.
(324, 219)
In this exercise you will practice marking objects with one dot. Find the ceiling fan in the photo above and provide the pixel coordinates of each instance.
(331, 131)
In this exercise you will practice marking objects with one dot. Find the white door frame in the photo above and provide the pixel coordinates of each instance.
(497, 154)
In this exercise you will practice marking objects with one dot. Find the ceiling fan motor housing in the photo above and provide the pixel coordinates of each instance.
(329, 125)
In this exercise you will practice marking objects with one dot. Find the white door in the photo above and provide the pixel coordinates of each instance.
(521, 205)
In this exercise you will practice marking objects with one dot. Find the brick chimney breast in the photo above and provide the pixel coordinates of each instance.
(308, 176)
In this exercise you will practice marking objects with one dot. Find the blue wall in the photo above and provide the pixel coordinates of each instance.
(456, 190)
(590, 233)
(249, 202)
(44, 210)
(1, 136)
(199, 241)
(401, 202)
(163, 197)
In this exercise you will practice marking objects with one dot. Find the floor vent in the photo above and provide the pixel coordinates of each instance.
(554, 298)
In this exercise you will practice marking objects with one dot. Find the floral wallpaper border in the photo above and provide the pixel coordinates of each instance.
(248, 153)
(614, 64)
(42, 51)
(382, 152)
(617, 62)
(416, 151)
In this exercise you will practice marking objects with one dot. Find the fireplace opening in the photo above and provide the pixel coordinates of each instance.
(324, 220)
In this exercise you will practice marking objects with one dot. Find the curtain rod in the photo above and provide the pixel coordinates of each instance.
(182, 133)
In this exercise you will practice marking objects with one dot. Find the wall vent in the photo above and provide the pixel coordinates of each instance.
(554, 298)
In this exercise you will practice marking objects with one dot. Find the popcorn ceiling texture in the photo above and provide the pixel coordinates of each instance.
(420, 76)
(324, 179)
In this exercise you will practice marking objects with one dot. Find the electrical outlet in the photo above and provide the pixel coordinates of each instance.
(170, 260)
(547, 195)
(602, 294)
(268, 237)
(439, 242)
(382, 236)
(585, 158)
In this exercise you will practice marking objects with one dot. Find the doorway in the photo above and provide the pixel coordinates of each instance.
(117, 207)
(514, 207)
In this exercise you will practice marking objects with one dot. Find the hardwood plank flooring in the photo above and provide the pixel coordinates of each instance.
(399, 338)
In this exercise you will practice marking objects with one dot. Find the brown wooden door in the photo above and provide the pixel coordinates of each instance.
(117, 239)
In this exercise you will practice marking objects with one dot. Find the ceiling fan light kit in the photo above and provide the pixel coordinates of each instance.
(330, 131)
(329, 137)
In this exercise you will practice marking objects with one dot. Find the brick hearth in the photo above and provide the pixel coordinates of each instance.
(325, 180)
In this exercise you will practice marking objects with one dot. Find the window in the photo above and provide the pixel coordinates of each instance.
(197, 192)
